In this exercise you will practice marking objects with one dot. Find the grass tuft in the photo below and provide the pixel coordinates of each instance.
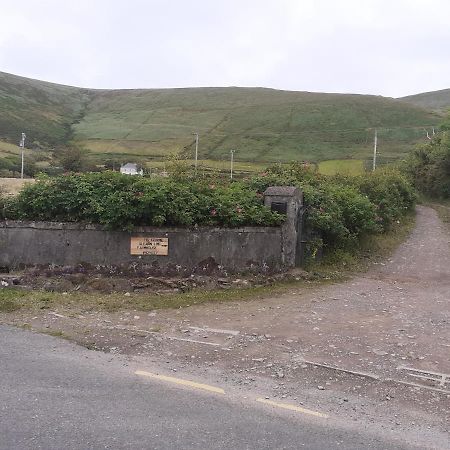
(10, 300)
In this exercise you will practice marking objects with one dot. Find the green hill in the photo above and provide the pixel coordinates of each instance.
(435, 100)
(262, 125)
(44, 111)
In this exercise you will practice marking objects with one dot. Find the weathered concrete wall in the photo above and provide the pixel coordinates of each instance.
(292, 199)
(36, 243)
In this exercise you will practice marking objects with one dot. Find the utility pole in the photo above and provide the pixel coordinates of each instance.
(196, 152)
(375, 142)
(22, 146)
(231, 166)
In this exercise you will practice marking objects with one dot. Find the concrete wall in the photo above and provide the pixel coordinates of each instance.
(36, 243)
(291, 230)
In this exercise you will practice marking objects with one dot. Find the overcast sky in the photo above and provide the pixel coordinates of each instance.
(392, 48)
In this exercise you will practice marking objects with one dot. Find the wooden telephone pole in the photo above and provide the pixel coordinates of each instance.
(375, 142)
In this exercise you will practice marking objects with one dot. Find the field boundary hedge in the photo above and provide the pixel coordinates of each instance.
(340, 209)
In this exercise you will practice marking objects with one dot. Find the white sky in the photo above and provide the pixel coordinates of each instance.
(392, 48)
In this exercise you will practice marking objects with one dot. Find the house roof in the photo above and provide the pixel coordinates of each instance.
(129, 166)
(288, 191)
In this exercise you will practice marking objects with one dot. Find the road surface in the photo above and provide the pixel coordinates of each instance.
(56, 395)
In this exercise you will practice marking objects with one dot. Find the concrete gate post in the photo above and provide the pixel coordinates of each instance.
(287, 200)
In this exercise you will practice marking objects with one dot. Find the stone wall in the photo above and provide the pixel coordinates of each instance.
(235, 249)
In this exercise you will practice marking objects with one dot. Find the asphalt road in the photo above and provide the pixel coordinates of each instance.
(56, 395)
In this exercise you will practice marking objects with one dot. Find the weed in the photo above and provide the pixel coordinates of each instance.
(8, 305)
(55, 333)
(10, 300)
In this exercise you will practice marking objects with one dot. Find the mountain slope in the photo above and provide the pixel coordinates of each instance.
(44, 111)
(262, 125)
(435, 100)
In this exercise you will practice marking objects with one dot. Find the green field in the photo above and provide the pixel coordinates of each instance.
(342, 167)
(210, 164)
(7, 149)
(264, 126)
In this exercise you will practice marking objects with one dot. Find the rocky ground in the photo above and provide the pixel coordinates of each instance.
(375, 348)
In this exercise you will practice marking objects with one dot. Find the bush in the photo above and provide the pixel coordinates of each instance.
(341, 210)
(122, 202)
(390, 192)
(429, 166)
(344, 209)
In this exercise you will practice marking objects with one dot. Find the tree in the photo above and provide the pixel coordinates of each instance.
(73, 158)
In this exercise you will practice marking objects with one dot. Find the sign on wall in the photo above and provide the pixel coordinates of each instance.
(149, 246)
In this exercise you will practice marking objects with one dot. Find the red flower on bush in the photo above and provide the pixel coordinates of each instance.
(213, 212)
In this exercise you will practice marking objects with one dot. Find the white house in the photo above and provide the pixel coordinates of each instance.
(130, 169)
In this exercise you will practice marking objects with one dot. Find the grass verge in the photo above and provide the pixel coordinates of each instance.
(16, 299)
(10, 300)
(443, 210)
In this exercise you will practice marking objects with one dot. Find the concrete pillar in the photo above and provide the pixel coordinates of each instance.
(287, 200)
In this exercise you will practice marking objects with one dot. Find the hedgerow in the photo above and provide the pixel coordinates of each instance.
(429, 165)
(122, 202)
(341, 210)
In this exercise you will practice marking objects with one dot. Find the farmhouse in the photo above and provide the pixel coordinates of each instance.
(130, 169)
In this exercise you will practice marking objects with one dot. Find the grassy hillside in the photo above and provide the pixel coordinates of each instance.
(262, 125)
(44, 111)
(436, 100)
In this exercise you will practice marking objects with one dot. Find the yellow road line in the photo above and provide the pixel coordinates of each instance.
(292, 408)
(192, 384)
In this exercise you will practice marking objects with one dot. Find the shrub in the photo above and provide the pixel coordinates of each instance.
(344, 209)
(390, 192)
(429, 166)
(341, 210)
(122, 202)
